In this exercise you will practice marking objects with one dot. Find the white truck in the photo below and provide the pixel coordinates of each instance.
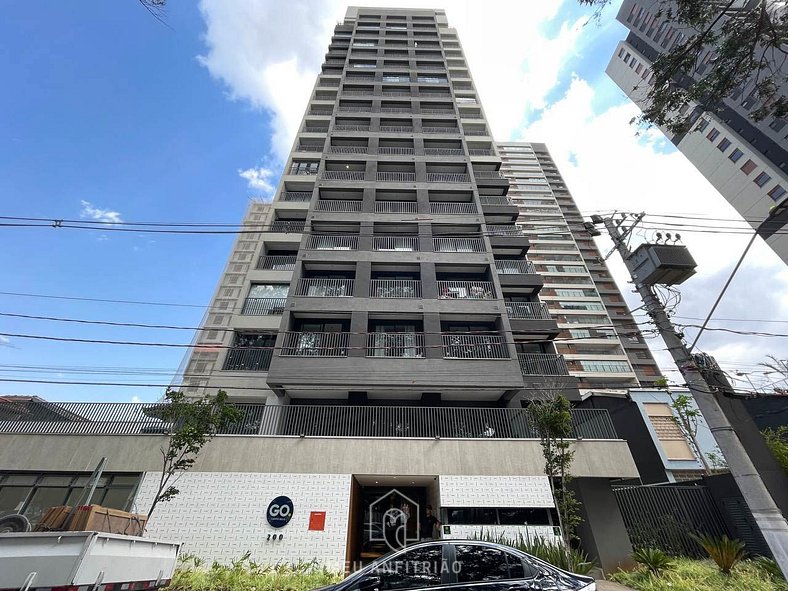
(84, 561)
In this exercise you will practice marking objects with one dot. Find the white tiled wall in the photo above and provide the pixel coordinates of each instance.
(495, 491)
(221, 515)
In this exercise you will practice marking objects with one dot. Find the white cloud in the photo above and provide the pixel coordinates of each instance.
(260, 179)
(4, 340)
(92, 212)
(136, 399)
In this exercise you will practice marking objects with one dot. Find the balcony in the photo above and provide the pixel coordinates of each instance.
(507, 240)
(440, 129)
(474, 346)
(458, 244)
(315, 344)
(396, 207)
(332, 242)
(338, 205)
(324, 288)
(288, 226)
(276, 262)
(466, 290)
(347, 149)
(396, 151)
(530, 310)
(395, 243)
(453, 208)
(248, 359)
(263, 306)
(542, 364)
(403, 345)
(343, 175)
(518, 276)
(296, 196)
(448, 177)
(395, 288)
(396, 128)
(350, 127)
(499, 209)
(443, 152)
(398, 177)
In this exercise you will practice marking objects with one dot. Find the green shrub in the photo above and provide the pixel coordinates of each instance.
(724, 551)
(653, 559)
(702, 575)
(555, 553)
(770, 567)
(246, 575)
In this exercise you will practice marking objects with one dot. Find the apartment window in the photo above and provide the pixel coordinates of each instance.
(304, 167)
(713, 134)
(735, 155)
(748, 167)
(724, 144)
(762, 179)
(777, 124)
(777, 192)
(621, 52)
(605, 366)
(670, 437)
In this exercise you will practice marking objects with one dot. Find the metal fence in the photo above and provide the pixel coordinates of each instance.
(441, 244)
(452, 207)
(104, 418)
(395, 288)
(315, 344)
(396, 207)
(544, 364)
(474, 346)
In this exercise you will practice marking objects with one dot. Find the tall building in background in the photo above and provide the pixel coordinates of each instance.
(599, 338)
(744, 159)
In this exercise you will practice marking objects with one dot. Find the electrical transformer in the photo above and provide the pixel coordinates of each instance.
(664, 264)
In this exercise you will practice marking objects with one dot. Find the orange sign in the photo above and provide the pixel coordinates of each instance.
(317, 521)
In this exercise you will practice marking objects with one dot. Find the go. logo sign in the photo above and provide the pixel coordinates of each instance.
(279, 512)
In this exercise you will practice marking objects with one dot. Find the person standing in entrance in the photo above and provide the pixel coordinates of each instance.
(428, 524)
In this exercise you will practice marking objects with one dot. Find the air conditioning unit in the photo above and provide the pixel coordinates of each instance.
(665, 264)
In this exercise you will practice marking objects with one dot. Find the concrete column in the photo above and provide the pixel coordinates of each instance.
(602, 533)
(432, 338)
(363, 277)
(358, 334)
(272, 416)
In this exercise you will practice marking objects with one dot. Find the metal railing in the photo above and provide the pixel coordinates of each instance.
(396, 207)
(396, 110)
(411, 422)
(343, 127)
(343, 175)
(296, 196)
(338, 205)
(348, 149)
(479, 152)
(298, 171)
(288, 226)
(466, 290)
(349, 109)
(310, 148)
(315, 344)
(458, 244)
(474, 346)
(409, 345)
(395, 288)
(395, 243)
(400, 177)
(476, 132)
(395, 151)
(504, 230)
(324, 288)
(396, 92)
(519, 267)
(263, 306)
(248, 359)
(495, 200)
(277, 262)
(357, 92)
(542, 364)
(488, 174)
(332, 242)
(452, 207)
(434, 111)
(443, 152)
(447, 177)
(396, 128)
(313, 129)
(439, 129)
(532, 310)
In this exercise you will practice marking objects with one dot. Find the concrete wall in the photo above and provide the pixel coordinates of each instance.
(594, 458)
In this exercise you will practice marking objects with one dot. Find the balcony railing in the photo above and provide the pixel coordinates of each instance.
(542, 364)
(396, 92)
(343, 175)
(435, 129)
(296, 196)
(324, 288)
(504, 230)
(407, 422)
(474, 346)
(396, 110)
(530, 310)
(395, 243)
(452, 207)
(434, 111)
(476, 132)
(332, 242)
(348, 109)
(396, 207)
(520, 267)
(343, 127)
(443, 152)
(447, 177)
(495, 200)
(399, 177)
(277, 262)
(310, 148)
(395, 288)
(488, 174)
(409, 345)
(458, 244)
(396, 128)
(347, 149)
(466, 290)
(264, 306)
(288, 226)
(315, 344)
(480, 152)
(395, 151)
(338, 205)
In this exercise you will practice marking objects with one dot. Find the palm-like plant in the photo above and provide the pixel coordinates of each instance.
(653, 559)
(724, 551)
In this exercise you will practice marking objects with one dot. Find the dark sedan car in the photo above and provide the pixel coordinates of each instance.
(461, 564)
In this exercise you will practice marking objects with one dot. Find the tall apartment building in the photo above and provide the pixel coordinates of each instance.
(744, 159)
(599, 338)
(382, 327)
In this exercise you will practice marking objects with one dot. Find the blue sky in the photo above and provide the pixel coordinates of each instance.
(103, 104)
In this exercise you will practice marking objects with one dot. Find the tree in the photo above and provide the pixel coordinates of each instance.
(749, 48)
(686, 416)
(191, 423)
(780, 367)
(777, 440)
(552, 419)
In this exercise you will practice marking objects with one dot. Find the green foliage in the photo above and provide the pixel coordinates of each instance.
(686, 416)
(552, 419)
(246, 575)
(724, 551)
(702, 575)
(770, 567)
(654, 560)
(191, 422)
(564, 557)
(777, 440)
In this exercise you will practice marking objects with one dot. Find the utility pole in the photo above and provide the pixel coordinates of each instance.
(770, 521)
